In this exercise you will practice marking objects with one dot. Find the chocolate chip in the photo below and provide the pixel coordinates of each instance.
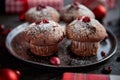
(107, 70)
(103, 54)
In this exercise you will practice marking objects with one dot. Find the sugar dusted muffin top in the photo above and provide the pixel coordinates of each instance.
(86, 29)
(42, 12)
(74, 10)
(44, 32)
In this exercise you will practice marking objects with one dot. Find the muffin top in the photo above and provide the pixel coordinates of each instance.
(42, 12)
(44, 32)
(86, 29)
(74, 10)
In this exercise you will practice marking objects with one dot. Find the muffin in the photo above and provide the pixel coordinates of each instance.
(42, 12)
(85, 34)
(74, 10)
(44, 37)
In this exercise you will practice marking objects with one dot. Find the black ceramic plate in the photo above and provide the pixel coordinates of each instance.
(19, 48)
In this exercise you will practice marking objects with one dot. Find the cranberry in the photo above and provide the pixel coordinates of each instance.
(75, 5)
(39, 7)
(86, 19)
(103, 54)
(55, 61)
(22, 17)
(107, 70)
(2, 28)
(37, 22)
(45, 21)
(42, 6)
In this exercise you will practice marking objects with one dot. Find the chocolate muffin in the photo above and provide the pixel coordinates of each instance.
(44, 37)
(42, 12)
(86, 34)
(74, 10)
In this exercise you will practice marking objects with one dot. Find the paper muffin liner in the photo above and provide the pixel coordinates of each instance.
(84, 48)
(43, 50)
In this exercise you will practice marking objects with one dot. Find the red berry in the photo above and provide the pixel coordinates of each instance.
(39, 7)
(22, 17)
(100, 12)
(2, 28)
(75, 5)
(37, 22)
(86, 19)
(55, 61)
(45, 21)
(107, 70)
(103, 54)
(42, 6)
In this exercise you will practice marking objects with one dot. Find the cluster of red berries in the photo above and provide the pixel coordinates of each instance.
(44, 21)
(85, 19)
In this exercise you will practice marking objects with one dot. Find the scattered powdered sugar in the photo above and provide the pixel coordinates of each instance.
(81, 28)
(43, 13)
(46, 26)
(39, 28)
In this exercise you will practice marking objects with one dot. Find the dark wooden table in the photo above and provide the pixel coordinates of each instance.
(33, 72)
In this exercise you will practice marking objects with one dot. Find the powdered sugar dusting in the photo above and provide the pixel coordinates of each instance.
(39, 28)
(80, 26)
(54, 29)
(40, 14)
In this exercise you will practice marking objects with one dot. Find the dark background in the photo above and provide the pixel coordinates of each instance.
(33, 72)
